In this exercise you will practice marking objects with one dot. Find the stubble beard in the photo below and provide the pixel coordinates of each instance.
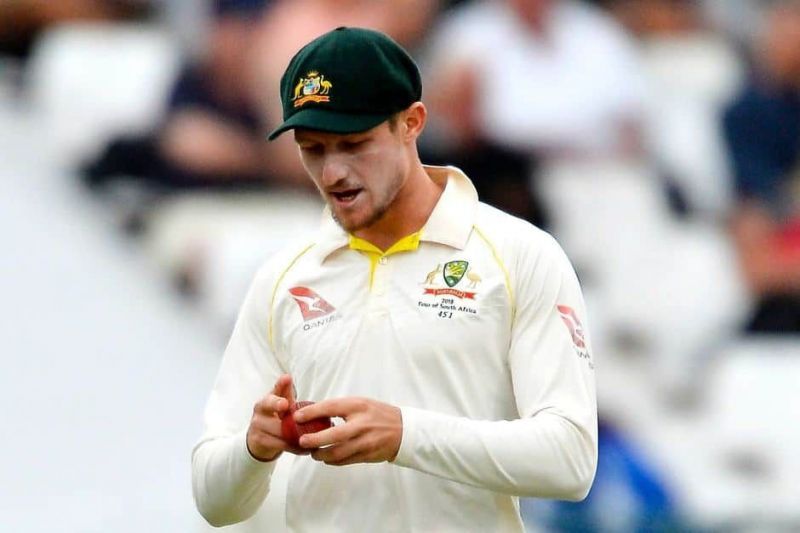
(377, 213)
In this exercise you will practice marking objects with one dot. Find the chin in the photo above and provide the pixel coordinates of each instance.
(349, 224)
(349, 228)
(353, 224)
(358, 220)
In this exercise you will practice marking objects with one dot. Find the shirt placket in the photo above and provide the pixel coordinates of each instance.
(380, 286)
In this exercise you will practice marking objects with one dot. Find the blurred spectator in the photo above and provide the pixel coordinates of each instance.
(212, 135)
(738, 19)
(555, 77)
(511, 80)
(653, 17)
(692, 72)
(291, 23)
(762, 128)
(23, 21)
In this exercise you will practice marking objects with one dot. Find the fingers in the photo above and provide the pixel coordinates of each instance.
(358, 450)
(372, 431)
(265, 445)
(259, 441)
(272, 405)
(264, 436)
(336, 455)
(262, 441)
(336, 407)
(281, 384)
(326, 437)
(284, 388)
(279, 400)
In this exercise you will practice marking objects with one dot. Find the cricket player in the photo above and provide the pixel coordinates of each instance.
(447, 339)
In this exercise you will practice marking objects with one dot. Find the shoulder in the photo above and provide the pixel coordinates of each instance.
(279, 264)
(516, 241)
(513, 229)
(534, 262)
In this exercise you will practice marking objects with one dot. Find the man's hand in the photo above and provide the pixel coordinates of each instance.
(264, 439)
(371, 432)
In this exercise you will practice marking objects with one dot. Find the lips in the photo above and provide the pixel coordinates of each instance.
(346, 196)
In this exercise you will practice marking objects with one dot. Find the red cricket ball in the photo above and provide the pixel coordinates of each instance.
(291, 431)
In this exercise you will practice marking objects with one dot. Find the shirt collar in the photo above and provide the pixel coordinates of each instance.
(452, 219)
(450, 222)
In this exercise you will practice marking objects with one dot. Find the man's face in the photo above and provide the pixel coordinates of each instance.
(359, 174)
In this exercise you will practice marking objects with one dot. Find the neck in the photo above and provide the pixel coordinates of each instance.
(408, 213)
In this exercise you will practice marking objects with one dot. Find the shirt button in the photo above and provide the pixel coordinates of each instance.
(383, 260)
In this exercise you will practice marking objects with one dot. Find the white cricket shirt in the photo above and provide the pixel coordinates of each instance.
(474, 326)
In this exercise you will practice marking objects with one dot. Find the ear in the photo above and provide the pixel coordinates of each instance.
(413, 121)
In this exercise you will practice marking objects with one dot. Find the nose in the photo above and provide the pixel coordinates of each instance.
(333, 171)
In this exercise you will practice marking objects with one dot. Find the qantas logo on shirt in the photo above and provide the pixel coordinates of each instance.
(575, 328)
(311, 304)
(573, 324)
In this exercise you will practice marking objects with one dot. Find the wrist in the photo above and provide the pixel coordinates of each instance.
(398, 435)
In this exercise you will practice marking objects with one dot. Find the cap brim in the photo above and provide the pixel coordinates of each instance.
(329, 121)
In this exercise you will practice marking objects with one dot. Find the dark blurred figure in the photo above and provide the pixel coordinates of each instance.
(514, 84)
(762, 129)
(693, 71)
(211, 135)
(23, 21)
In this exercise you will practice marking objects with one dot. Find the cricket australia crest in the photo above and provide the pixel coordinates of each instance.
(313, 88)
(454, 271)
(448, 302)
(452, 274)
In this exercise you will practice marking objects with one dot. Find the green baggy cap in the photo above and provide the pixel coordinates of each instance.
(347, 81)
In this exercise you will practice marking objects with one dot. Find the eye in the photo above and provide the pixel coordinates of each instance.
(311, 149)
(350, 146)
